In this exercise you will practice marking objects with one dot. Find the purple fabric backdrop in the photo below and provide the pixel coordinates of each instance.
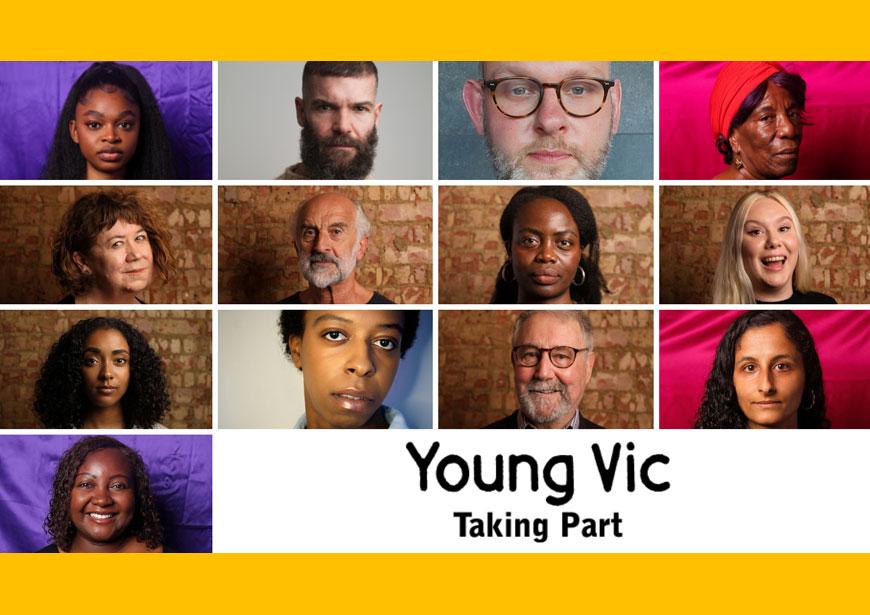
(687, 346)
(179, 467)
(834, 147)
(32, 94)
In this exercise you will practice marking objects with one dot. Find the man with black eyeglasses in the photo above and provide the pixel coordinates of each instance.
(553, 359)
(545, 120)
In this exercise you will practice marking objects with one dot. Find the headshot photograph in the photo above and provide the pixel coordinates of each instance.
(325, 369)
(770, 244)
(325, 120)
(764, 369)
(106, 494)
(105, 370)
(77, 244)
(545, 244)
(764, 120)
(312, 244)
(499, 120)
(555, 369)
(106, 120)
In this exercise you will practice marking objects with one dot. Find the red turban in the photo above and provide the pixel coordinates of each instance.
(734, 83)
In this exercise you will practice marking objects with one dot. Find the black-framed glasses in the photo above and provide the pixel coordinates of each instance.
(560, 356)
(521, 96)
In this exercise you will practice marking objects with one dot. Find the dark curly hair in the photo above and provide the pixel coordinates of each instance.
(590, 290)
(145, 525)
(292, 324)
(720, 409)
(59, 400)
(792, 83)
(153, 157)
(88, 217)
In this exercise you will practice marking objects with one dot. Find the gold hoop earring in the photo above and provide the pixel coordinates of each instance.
(503, 272)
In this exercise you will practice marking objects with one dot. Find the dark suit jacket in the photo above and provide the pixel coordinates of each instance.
(510, 422)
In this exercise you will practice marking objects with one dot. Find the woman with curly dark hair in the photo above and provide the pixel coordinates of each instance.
(108, 248)
(110, 127)
(102, 502)
(766, 374)
(551, 240)
(101, 374)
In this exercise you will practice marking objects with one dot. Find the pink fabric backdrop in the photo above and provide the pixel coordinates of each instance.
(834, 147)
(687, 345)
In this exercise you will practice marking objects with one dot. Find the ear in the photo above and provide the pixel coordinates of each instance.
(80, 262)
(295, 346)
(300, 111)
(472, 96)
(363, 246)
(734, 142)
(590, 364)
(616, 102)
(378, 108)
(73, 132)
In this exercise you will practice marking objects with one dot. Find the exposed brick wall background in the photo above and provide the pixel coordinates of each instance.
(835, 219)
(29, 217)
(470, 250)
(182, 338)
(475, 377)
(258, 264)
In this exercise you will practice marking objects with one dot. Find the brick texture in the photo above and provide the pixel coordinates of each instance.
(470, 249)
(835, 219)
(475, 377)
(258, 264)
(29, 217)
(182, 338)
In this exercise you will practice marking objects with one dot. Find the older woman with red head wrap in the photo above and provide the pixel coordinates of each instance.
(757, 115)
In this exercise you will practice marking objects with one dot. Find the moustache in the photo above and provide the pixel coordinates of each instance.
(319, 257)
(343, 141)
(546, 387)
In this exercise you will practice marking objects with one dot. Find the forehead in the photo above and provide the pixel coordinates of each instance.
(766, 341)
(354, 89)
(545, 213)
(122, 227)
(111, 460)
(107, 337)
(106, 96)
(546, 71)
(547, 330)
(354, 319)
(776, 95)
(326, 210)
(767, 209)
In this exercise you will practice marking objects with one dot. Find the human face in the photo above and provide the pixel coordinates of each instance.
(769, 377)
(545, 251)
(768, 143)
(326, 242)
(549, 144)
(339, 118)
(106, 129)
(120, 261)
(348, 361)
(549, 395)
(103, 500)
(105, 369)
(770, 248)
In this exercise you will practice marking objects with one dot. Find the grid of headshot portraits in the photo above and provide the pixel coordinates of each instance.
(509, 244)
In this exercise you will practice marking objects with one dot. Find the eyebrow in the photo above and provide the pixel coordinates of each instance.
(776, 358)
(531, 229)
(323, 101)
(116, 351)
(777, 220)
(96, 113)
(342, 319)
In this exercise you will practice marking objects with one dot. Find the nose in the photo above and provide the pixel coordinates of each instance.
(321, 243)
(107, 372)
(786, 127)
(359, 360)
(550, 118)
(544, 370)
(110, 134)
(546, 252)
(766, 384)
(341, 122)
(102, 496)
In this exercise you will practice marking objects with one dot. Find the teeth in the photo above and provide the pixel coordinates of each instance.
(99, 516)
(355, 397)
(773, 259)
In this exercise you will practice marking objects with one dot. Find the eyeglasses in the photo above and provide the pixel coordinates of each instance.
(521, 96)
(560, 356)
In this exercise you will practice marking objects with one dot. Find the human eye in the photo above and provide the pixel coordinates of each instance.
(386, 343)
(362, 108)
(118, 485)
(782, 366)
(520, 88)
(121, 361)
(562, 354)
(89, 361)
(334, 335)
(749, 368)
(93, 125)
(565, 244)
(84, 484)
(336, 231)
(143, 236)
(117, 244)
(308, 234)
(528, 353)
(529, 241)
(322, 106)
(754, 232)
(785, 228)
(126, 125)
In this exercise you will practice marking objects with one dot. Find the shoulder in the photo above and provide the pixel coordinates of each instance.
(395, 419)
(508, 422)
(52, 548)
(68, 299)
(814, 297)
(587, 424)
(292, 299)
(296, 171)
(378, 298)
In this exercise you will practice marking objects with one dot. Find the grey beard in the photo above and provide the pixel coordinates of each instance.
(343, 269)
(531, 411)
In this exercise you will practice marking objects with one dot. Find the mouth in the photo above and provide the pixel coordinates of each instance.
(787, 153)
(110, 155)
(101, 518)
(353, 400)
(545, 277)
(774, 263)
(136, 271)
(106, 390)
(769, 403)
(550, 156)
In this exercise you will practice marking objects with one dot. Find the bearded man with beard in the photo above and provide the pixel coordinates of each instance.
(553, 359)
(330, 234)
(339, 115)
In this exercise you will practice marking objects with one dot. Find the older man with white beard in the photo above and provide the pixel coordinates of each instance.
(553, 359)
(331, 236)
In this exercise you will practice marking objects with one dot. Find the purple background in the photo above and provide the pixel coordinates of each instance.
(32, 95)
(179, 467)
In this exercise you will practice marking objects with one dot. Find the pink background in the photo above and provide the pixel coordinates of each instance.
(834, 147)
(687, 346)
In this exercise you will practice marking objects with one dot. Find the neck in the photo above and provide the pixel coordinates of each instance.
(377, 421)
(92, 173)
(98, 295)
(105, 418)
(80, 544)
(773, 294)
(524, 297)
(346, 291)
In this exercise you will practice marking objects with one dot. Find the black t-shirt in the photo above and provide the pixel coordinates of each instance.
(810, 297)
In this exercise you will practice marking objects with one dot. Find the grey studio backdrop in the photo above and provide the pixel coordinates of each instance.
(462, 152)
(259, 135)
(261, 388)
